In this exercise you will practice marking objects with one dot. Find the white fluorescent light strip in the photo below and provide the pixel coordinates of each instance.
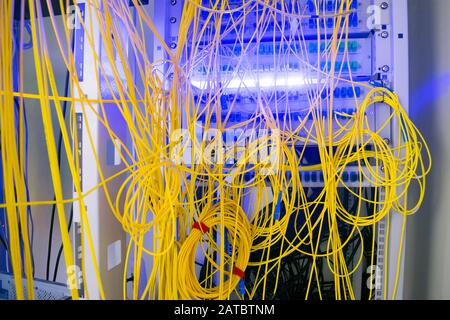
(291, 80)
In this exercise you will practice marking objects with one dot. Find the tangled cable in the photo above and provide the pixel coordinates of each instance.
(235, 153)
(226, 218)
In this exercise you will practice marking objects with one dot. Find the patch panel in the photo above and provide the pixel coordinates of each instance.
(340, 66)
(311, 177)
(304, 20)
(345, 67)
(352, 46)
(329, 5)
(295, 98)
(257, 59)
(297, 6)
(270, 48)
(314, 23)
(339, 93)
(351, 177)
(340, 117)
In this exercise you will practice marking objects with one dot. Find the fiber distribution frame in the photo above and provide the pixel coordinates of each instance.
(214, 149)
(306, 61)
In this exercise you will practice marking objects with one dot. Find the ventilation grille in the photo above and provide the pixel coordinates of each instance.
(43, 290)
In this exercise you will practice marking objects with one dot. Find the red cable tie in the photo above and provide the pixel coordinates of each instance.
(238, 272)
(200, 226)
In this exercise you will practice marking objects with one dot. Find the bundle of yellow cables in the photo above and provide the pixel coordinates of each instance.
(233, 260)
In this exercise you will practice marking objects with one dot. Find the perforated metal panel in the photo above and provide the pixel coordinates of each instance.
(43, 290)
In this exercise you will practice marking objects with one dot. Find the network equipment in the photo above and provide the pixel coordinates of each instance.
(216, 149)
(44, 290)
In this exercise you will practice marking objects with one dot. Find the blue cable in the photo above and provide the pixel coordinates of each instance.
(16, 82)
(29, 44)
(276, 214)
